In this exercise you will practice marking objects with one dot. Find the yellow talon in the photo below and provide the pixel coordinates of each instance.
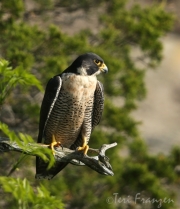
(54, 143)
(84, 147)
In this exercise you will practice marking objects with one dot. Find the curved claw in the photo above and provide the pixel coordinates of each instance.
(84, 147)
(54, 143)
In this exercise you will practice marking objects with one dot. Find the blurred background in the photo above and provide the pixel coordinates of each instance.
(140, 43)
(160, 110)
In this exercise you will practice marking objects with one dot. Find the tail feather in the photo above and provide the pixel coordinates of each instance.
(43, 173)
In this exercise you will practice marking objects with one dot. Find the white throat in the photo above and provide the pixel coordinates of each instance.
(81, 71)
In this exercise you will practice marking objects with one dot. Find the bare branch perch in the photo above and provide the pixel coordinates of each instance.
(99, 163)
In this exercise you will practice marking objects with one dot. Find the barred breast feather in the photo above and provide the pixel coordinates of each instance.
(72, 110)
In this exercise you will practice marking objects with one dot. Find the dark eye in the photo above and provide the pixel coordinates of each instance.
(97, 62)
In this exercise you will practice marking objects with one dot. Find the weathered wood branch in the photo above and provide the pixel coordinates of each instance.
(99, 163)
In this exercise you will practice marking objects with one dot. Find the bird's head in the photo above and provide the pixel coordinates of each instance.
(89, 64)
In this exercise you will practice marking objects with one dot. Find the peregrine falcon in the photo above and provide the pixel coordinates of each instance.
(72, 106)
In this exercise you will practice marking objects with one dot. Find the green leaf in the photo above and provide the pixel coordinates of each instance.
(23, 139)
(10, 78)
(26, 197)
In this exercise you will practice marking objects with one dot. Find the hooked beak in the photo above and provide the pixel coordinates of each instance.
(104, 68)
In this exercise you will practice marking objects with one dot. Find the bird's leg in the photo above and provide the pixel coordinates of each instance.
(85, 146)
(54, 143)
